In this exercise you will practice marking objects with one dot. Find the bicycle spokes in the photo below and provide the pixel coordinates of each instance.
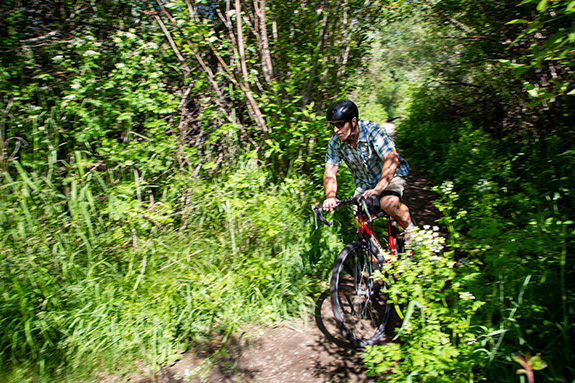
(360, 308)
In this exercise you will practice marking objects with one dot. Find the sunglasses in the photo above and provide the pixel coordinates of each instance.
(338, 124)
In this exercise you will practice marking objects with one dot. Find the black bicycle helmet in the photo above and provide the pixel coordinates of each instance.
(343, 109)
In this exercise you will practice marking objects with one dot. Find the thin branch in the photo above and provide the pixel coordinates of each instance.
(241, 48)
(268, 66)
(54, 33)
(168, 35)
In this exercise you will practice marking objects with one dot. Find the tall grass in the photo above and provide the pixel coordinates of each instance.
(92, 277)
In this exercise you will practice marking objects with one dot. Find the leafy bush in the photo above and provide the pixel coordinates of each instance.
(508, 213)
(93, 278)
(437, 339)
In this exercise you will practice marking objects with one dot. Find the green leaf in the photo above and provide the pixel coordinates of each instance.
(533, 92)
(519, 21)
(537, 363)
(511, 64)
(410, 309)
(516, 359)
(543, 5)
(43, 76)
(411, 375)
(572, 93)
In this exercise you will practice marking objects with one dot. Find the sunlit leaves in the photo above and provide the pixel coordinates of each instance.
(436, 339)
(553, 44)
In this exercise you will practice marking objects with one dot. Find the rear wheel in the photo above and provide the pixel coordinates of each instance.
(360, 304)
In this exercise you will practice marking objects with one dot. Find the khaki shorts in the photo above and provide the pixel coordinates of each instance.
(395, 187)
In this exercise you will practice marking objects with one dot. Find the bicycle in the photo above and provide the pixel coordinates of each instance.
(359, 298)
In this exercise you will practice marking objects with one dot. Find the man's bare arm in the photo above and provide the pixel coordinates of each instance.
(330, 186)
(390, 163)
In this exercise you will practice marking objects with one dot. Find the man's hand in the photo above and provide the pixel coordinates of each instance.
(329, 203)
(371, 192)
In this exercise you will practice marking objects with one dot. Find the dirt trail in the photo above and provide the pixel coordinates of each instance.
(310, 352)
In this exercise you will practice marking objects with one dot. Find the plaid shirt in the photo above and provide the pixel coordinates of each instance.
(366, 162)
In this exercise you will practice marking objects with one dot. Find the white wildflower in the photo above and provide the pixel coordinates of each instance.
(466, 296)
(446, 187)
(428, 242)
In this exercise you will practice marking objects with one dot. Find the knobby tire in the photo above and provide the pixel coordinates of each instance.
(360, 303)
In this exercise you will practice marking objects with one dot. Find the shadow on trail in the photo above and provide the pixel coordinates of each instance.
(306, 352)
(324, 320)
(345, 364)
(418, 197)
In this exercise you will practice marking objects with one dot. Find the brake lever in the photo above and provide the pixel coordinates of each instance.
(314, 216)
(318, 213)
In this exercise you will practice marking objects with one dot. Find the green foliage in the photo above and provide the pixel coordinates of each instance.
(553, 46)
(271, 75)
(126, 102)
(126, 230)
(501, 166)
(296, 136)
(517, 225)
(92, 278)
(437, 341)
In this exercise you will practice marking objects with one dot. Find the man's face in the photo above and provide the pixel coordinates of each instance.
(342, 129)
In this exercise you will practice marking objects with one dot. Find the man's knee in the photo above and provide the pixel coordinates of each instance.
(390, 202)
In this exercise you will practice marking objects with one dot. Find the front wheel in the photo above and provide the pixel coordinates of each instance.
(359, 301)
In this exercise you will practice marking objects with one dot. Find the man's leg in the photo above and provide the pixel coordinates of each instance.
(393, 206)
(391, 201)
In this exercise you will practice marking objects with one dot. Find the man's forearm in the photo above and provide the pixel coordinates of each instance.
(330, 186)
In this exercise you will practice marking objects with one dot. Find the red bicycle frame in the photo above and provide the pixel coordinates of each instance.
(364, 231)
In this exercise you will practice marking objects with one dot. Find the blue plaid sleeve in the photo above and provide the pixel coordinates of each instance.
(380, 139)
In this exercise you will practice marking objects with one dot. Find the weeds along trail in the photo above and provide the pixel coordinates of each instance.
(288, 352)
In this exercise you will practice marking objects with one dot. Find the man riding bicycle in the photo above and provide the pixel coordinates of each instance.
(370, 154)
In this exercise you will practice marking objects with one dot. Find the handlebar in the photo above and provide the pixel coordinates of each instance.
(359, 201)
(318, 210)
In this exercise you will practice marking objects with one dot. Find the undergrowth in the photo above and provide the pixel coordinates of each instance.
(508, 252)
(92, 278)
